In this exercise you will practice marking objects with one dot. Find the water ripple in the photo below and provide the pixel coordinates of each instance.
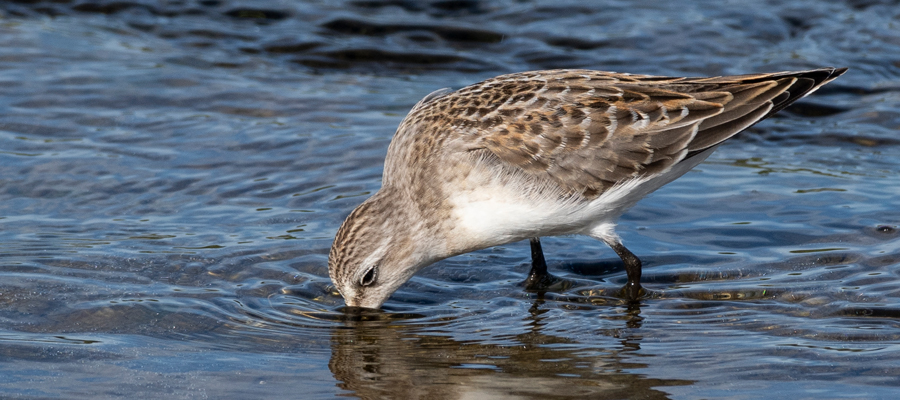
(172, 174)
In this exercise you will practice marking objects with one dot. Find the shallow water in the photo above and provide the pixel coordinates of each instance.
(172, 173)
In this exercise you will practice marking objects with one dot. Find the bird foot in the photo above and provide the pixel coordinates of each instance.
(544, 282)
(632, 292)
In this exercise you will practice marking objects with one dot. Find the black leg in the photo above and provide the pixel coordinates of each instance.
(538, 278)
(538, 263)
(632, 289)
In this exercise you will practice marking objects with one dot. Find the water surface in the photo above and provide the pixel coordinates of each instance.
(172, 174)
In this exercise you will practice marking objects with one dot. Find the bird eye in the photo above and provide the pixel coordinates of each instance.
(369, 277)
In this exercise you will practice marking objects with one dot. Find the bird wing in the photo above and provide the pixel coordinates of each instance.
(589, 130)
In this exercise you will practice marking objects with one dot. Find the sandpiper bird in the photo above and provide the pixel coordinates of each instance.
(541, 153)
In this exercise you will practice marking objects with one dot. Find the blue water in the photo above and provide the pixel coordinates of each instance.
(172, 174)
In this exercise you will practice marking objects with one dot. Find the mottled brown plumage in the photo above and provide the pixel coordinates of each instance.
(588, 130)
(570, 149)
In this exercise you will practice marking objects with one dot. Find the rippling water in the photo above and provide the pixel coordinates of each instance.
(172, 173)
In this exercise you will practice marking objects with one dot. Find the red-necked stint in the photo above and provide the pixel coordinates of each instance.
(541, 153)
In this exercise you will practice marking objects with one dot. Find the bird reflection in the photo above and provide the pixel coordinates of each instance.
(387, 358)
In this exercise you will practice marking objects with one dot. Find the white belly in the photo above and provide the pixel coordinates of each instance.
(491, 213)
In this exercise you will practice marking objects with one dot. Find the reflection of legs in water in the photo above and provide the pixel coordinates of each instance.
(396, 359)
(634, 311)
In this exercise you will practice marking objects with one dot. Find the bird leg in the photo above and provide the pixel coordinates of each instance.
(538, 278)
(632, 289)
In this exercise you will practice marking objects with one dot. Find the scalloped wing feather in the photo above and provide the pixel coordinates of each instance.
(588, 130)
